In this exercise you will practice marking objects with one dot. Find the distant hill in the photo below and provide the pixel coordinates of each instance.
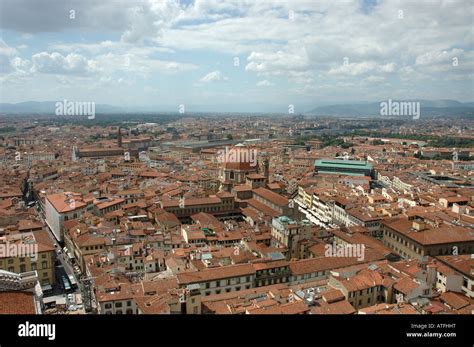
(427, 107)
(46, 107)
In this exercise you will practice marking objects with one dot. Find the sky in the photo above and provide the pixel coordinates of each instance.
(262, 53)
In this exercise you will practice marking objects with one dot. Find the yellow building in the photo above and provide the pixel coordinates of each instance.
(31, 251)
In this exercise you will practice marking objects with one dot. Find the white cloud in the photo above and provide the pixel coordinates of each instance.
(7, 50)
(108, 46)
(356, 69)
(10, 62)
(137, 38)
(265, 83)
(56, 63)
(213, 77)
(275, 63)
(436, 57)
(375, 79)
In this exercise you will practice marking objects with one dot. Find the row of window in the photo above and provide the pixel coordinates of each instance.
(90, 248)
(33, 267)
(227, 290)
(369, 301)
(196, 210)
(118, 304)
(310, 275)
(368, 291)
(227, 282)
(22, 259)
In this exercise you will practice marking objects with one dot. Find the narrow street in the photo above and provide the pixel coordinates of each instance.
(63, 269)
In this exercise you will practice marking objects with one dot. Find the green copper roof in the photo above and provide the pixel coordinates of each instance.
(343, 164)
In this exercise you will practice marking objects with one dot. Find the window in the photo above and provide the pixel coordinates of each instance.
(129, 303)
(108, 306)
(118, 304)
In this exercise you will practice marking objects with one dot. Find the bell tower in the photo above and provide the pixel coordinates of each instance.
(119, 138)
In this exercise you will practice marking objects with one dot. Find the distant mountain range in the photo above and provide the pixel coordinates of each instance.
(46, 107)
(49, 107)
(427, 107)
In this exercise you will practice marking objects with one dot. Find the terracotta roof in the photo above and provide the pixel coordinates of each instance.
(439, 235)
(273, 197)
(62, 203)
(216, 273)
(192, 202)
(454, 300)
(17, 303)
(305, 266)
(339, 307)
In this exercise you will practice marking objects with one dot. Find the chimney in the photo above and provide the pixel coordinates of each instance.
(419, 225)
